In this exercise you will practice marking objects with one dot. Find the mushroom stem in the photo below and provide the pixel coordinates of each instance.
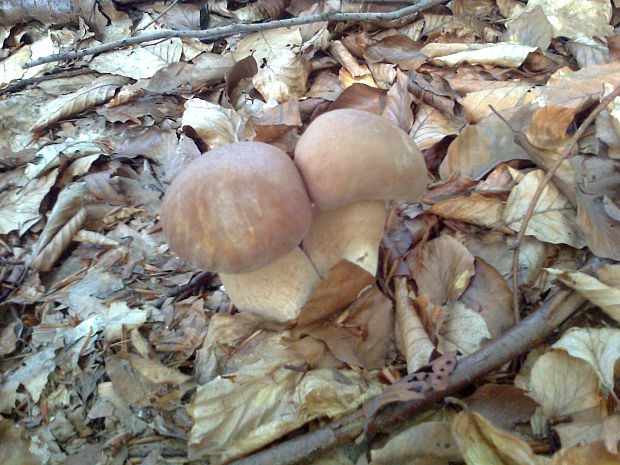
(353, 232)
(277, 291)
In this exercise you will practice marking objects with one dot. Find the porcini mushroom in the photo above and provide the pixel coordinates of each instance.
(241, 210)
(352, 162)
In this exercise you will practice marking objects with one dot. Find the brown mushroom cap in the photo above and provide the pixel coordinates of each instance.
(237, 208)
(349, 155)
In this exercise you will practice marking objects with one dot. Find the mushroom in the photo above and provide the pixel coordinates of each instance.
(241, 210)
(352, 162)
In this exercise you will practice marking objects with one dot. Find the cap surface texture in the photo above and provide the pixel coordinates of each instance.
(349, 155)
(237, 208)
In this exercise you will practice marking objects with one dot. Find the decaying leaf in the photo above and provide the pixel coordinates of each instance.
(282, 77)
(462, 329)
(503, 405)
(100, 91)
(563, 385)
(602, 295)
(481, 442)
(442, 269)
(600, 347)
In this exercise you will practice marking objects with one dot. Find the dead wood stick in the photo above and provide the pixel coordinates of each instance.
(224, 31)
(516, 341)
(568, 149)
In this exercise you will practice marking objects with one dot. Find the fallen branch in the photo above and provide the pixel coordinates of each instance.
(568, 149)
(515, 342)
(225, 31)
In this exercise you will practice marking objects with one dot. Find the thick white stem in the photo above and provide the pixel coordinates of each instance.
(353, 232)
(278, 291)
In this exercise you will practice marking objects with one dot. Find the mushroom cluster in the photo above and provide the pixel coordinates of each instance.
(243, 209)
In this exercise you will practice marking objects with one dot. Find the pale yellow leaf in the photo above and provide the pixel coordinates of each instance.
(141, 62)
(477, 104)
(482, 443)
(282, 77)
(431, 126)
(531, 28)
(214, 124)
(262, 44)
(602, 295)
(100, 91)
(442, 269)
(590, 454)
(462, 329)
(563, 385)
(500, 54)
(475, 209)
(554, 219)
(600, 347)
(430, 439)
(569, 18)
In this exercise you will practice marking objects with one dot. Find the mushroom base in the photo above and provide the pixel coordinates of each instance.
(353, 232)
(278, 291)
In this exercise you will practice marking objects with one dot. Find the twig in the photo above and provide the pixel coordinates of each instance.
(516, 341)
(195, 281)
(568, 149)
(156, 18)
(18, 85)
(225, 31)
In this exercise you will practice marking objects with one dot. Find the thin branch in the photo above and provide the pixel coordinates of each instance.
(18, 85)
(568, 149)
(516, 341)
(158, 17)
(225, 31)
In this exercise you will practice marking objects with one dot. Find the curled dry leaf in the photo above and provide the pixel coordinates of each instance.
(415, 443)
(481, 442)
(462, 329)
(604, 296)
(563, 385)
(100, 91)
(141, 62)
(361, 97)
(282, 77)
(398, 103)
(501, 54)
(396, 49)
(214, 125)
(554, 219)
(232, 417)
(588, 17)
(475, 209)
(442, 269)
(600, 347)
(348, 61)
(489, 295)
(531, 28)
(431, 126)
(503, 405)
(415, 343)
(276, 121)
(593, 454)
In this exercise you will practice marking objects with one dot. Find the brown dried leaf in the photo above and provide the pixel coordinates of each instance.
(601, 231)
(15, 445)
(600, 347)
(338, 289)
(282, 77)
(348, 61)
(475, 209)
(503, 405)
(554, 219)
(361, 97)
(606, 297)
(48, 255)
(477, 104)
(480, 147)
(481, 442)
(563, 385)
(415, 343)
(398, 103)
(531, 28)
(413, 444)
(442, 269)
(587, 17)
(276, 121)
(592, 454)
(396, 49)
(431, 126)
(100, 91)
(213, 124)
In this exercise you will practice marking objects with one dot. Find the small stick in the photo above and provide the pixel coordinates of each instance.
(568, 148)
(195, 281)
(225, 31)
